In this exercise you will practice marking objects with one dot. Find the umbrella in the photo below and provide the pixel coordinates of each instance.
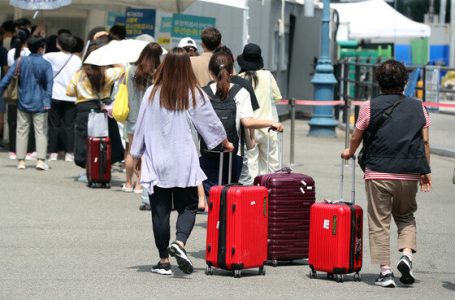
(39, 4)
(117, 52)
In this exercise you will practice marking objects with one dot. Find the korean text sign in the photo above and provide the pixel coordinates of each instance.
(140, 21)
(190, 26)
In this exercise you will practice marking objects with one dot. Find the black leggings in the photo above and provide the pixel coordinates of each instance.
(61, 123)
(185, 202)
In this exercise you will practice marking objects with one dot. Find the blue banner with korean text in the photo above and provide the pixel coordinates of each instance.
(140, 21)
(190, 26)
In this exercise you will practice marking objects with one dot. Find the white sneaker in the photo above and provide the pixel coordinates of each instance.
(83, 178)
(69, 157)
(12, 155)
(53, 156)
(30, 156)
(41, 165)
(21, 165)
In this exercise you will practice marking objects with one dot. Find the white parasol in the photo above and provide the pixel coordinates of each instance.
(39, 4)
(117, 52)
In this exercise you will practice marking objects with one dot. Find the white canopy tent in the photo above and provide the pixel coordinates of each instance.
(164, 5)
(374, 19)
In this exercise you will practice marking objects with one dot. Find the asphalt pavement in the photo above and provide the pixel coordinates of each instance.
(62, 240)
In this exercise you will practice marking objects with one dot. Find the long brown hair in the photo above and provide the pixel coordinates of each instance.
(146, 64)
(95, 75)
(175, 79)
(221, 65)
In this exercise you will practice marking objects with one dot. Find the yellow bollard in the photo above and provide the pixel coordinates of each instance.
(419, 92)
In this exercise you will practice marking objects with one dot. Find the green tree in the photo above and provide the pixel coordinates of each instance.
(416, 9)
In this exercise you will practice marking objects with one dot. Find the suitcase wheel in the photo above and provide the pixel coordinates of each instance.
(237, 273)
(339, 278)
(329, 276)
(357, 277)
(262, 270)
(275, 262)
(107, 185)
(89, 184)
(208, 270)
(313, 274)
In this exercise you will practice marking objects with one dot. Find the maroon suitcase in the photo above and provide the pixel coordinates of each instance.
(99, 162)
(336, 233)
(290, 198)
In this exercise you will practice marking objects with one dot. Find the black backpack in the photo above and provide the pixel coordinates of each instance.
(226, 110)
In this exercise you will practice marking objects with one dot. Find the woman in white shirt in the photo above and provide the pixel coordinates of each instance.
(221, 66)
(19, 46)
(62, 114)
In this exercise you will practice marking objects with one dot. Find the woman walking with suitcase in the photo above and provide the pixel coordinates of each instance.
(170, 168)
(222, 92)
(92, 86)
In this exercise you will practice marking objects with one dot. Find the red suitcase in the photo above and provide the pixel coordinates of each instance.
(290, 198)
(99, 162)
(336, 230)
(236, 227)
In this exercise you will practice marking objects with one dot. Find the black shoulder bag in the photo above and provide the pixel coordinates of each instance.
(369, 134)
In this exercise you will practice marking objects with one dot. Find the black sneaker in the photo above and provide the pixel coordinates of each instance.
(405, 267)
(387, 280)
(144, 206)
(162, 269)
(175, 250)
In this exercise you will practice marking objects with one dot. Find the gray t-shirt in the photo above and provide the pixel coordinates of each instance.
(135, 95)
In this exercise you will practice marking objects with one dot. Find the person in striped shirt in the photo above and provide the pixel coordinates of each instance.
(396, 160)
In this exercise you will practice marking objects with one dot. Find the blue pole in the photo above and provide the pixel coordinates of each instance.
(322, 123)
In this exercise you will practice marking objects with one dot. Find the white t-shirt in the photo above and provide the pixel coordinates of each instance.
(11, 52)
(68, 64)
(244, 108)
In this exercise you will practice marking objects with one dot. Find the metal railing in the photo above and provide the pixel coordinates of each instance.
(355, 78)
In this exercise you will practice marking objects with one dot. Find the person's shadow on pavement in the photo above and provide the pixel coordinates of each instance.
(448, 285)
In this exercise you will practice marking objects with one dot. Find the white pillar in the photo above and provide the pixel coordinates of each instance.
(246, 17)
(442, 12)
(95, 18)
(17, 13)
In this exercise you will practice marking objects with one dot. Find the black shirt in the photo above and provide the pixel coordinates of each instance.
(3, 59)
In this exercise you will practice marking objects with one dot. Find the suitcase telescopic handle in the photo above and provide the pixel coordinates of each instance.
(280, 144)
(220, 174)
(342, 180)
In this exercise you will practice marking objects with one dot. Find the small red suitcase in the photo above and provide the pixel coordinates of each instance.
(236, 227)
(99, 162)
(290, 198)
(336, 230)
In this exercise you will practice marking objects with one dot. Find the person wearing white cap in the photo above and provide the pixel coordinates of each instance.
(189, 45)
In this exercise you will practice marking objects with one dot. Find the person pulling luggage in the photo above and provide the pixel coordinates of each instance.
(396, 158)
(169, 166)
(233, 105)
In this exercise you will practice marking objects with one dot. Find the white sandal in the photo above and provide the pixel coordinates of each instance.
(126, 189)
